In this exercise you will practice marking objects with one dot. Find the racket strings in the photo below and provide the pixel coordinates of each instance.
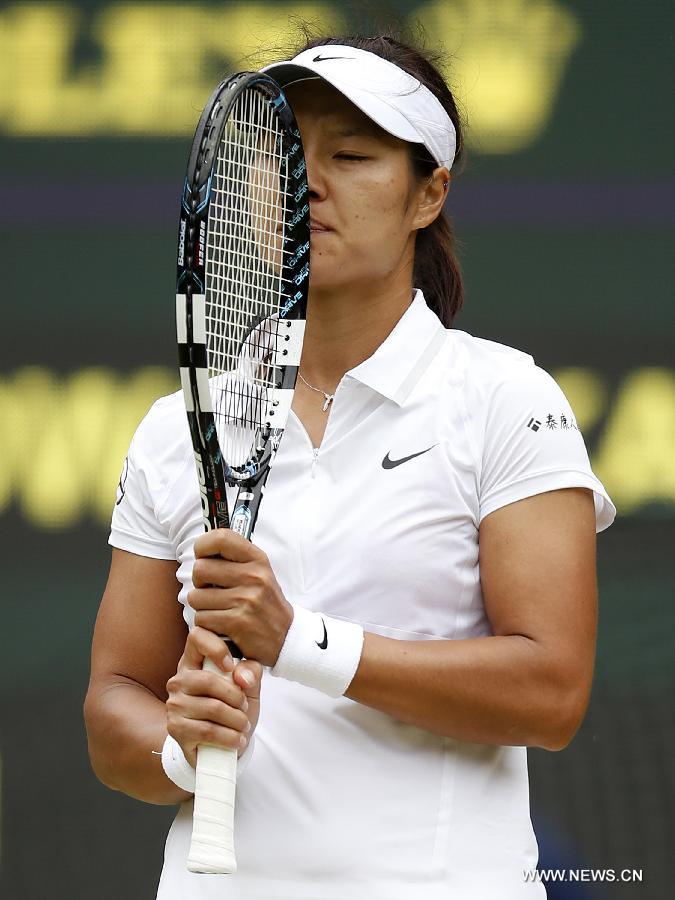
(244, 267)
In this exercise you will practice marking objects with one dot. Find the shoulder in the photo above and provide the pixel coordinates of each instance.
(524, 432)
(503, 392)
(161, 443)
(490, 372)
(479, 360)
(164, 423)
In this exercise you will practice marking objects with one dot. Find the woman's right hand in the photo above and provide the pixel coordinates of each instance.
(206, 707)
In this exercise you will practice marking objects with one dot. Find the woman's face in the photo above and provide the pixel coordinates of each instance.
(363, 194)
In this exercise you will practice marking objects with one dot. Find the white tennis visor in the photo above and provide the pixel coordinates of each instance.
(393, 99)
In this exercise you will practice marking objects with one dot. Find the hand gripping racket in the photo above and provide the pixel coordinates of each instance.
(243, 275)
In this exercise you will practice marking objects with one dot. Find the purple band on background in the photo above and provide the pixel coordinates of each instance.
(483, 203)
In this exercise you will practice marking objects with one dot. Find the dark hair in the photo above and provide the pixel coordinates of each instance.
(436, 268)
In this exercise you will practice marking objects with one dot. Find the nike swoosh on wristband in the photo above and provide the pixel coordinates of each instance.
(322, 58)
(388, 463)
(324, 642)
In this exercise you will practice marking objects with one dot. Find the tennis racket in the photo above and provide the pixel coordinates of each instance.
(243, 275)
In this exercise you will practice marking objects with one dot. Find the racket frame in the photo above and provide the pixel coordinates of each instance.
(212, 849)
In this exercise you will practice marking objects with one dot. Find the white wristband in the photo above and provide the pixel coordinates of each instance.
(179, 770)
(320, 652)
(176, 766)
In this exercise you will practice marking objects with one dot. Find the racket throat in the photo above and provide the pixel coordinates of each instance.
(241, 519)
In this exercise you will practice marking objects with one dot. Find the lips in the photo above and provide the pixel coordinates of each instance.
(315, 225)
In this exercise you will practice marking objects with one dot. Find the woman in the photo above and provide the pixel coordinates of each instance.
(389, 757)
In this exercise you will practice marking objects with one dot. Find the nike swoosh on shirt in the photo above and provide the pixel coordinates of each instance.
(324, 642)
(388, 463)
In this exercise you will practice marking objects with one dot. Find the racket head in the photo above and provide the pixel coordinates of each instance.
(242, 285)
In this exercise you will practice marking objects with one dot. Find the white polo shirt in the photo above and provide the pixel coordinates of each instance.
(425, 438)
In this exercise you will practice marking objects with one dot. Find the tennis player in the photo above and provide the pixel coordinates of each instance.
(421, 588)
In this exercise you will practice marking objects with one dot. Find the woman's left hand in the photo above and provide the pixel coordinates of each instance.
(236, 594)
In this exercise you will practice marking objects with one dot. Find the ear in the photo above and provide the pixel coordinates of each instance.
(431, 198)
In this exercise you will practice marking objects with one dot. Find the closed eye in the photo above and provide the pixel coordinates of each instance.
(350, 156)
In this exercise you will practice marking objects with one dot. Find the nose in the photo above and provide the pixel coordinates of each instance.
(316, 180)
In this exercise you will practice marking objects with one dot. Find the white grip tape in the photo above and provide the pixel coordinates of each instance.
(320, 652)
(212, 845)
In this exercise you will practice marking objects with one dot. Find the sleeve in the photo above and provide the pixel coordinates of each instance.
(136, 526)
(532, 444)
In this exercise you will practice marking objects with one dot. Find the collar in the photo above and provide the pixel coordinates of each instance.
(402, 358)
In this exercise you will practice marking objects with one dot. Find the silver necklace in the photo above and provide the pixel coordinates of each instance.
(327, 397)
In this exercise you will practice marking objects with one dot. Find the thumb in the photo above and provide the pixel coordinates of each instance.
(248, 675)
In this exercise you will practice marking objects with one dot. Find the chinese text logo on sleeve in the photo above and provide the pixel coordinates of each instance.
(563, 422)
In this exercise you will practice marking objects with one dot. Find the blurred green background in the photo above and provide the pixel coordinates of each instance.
(564, 215)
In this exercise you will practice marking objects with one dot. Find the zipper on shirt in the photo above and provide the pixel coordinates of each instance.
(315, 451)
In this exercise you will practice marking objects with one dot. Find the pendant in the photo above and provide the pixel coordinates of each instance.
(327, 402)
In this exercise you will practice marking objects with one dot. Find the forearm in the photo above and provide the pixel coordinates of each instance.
(125, 723)
(491, 690)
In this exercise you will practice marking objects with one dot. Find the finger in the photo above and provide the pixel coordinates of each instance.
(203, 643)
(222, 599)
(201, 683)
(213, 571)
(190, 734)
(225, 543)
(208, 709)
(220, 621)
(248, 675)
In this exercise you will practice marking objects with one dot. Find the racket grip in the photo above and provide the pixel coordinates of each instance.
(212, 845)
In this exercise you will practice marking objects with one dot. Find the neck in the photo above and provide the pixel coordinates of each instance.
(345, 328)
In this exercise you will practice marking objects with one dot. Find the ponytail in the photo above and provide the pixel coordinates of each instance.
(436, 270)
